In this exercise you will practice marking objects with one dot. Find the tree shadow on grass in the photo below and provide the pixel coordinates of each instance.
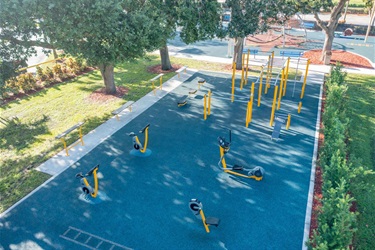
(18, 179)
(17, 135)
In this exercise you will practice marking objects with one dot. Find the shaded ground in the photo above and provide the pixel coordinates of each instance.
(144, 200)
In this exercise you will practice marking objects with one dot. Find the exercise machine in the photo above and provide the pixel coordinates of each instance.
(256, 173)
(85, 185)
(196, 208)
(184, 100)
(137, 145)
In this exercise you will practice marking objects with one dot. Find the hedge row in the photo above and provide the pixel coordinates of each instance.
(26, 82)
(336, 221)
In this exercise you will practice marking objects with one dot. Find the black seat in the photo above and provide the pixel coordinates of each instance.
(212, 221)
(182, 101)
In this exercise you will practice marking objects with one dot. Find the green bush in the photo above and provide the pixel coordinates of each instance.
(57, 71)
(336, 222)
(72, 64)
(48, 73)
(40, 74)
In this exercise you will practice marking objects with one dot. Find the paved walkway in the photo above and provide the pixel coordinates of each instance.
(350, 18)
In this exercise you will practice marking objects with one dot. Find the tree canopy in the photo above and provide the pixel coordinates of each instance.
(193, 20)
(102, 32)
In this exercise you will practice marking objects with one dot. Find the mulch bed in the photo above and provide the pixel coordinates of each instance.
(156, 69)
(100, 96)
(346, 58)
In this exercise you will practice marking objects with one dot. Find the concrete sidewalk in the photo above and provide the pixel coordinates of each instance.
(355, 19)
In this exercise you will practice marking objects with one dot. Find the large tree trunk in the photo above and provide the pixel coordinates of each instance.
(164, 55)
(107, 71)
(329, 29)
(327, 47)
(238, 48)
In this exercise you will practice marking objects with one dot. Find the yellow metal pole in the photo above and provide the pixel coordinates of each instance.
(280, 90)
(153, 87)
(80, 135)
(268, 75)
(205, 107)
(242, 73)
(273, 105)
(209, 102)
(96, 186)
(305, 78)
(146, 141)
(204, 221)
(233, 80)
(286, 76)
(260, 86)
(249, 113)
(66, 149)
(252, 91)
(288, 122)
(161, 82)
(223, 159)
(247, 66)
(299, 107)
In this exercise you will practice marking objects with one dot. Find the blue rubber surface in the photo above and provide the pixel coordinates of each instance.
(144, 200)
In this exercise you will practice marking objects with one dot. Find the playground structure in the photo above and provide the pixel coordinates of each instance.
(137, 145)
(280, 83)
(288, 61)
(85, 185)
(196, 208)
(256, 173)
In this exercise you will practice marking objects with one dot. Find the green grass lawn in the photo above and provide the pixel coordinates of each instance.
(361, 93)
(30, 139)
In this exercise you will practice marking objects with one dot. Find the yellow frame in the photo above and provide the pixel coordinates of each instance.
(66, 148)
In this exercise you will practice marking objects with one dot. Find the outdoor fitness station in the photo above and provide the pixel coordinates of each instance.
(147, 199)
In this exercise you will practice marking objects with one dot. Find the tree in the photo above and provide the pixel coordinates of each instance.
(249, 17)
(198, 20)
(335, 8)
(104, 32)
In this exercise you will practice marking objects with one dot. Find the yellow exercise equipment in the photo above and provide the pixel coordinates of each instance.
(207, 105)
(196, 208)
(86, 187)
(256, 173)
(137, 145)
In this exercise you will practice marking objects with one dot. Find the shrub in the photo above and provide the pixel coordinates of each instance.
(81, 63)
(48, 73)
(26, 82)
(40, 74)
(336, 222)
(57, 71)
(72, 64)
(11, 86)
